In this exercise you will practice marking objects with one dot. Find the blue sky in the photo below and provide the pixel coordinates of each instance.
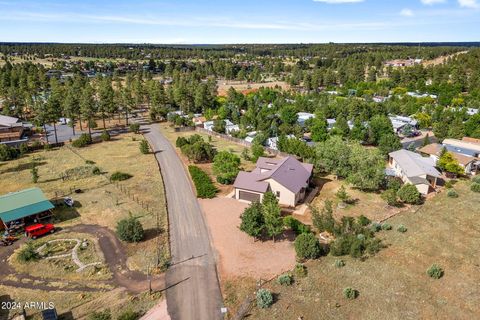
(245, 21)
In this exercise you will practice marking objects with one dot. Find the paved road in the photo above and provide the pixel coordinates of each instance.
(193, 289)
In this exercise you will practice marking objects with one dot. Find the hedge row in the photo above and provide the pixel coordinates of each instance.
(203, 183)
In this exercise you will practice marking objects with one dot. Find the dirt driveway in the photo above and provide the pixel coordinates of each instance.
(238, 254)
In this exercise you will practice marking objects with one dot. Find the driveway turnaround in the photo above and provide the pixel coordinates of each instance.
(193, 289)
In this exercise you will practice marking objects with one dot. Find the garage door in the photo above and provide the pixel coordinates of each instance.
(249, 196)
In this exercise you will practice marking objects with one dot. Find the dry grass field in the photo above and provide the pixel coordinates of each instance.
(245, 87)
(394, 284)
(100, 202)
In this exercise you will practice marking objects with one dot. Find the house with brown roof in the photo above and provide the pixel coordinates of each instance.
(286, 178)
(469, 163)
(11, 129)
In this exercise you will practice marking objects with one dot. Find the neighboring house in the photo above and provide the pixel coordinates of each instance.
(250, 136)
(199, 121)
(421, 95)
(412, 168)
(208, 125)
(331, 123)
(287, 179)
(469, 163)
(12, 129)
(467, 148)
(303, 117)
(472, 111)
(272, 142)
(399, 123)
(229, 128)
(25, 207)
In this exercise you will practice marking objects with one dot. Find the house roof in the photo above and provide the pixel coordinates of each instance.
(289, 172)
(17, 205)
(463, 147)
(6, 121)
(471, 140)
(414, 164)
(436, 149)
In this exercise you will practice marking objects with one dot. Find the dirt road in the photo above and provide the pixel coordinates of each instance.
(193, 287)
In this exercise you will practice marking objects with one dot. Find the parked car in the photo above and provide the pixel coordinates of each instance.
(37, 230)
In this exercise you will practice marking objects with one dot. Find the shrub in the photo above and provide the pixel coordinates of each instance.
(120, 176)
(386, 226)
(47, 147)
(339, 263)
(285, 280)
(105, 136)
(92, 123)
(435, 271)
(363, 221)
(300, 270)
(134, 127)
(89, 162)
(130, 229)
(34, 172)
(307, 246)
(82, 141)
(226, 166)
(264, 298)
(393, 184)
(401, 228)
(8, 153)
(409, 194)
(350, 293)
(476, 179)
(128, 315)
(100, 315)
(295, 225)
(23, 148)
(96, 171)
(203, 183)
(475, 187)
(181, 141)
(390, 196)
(28, 253)
(449, 184)
(451, 193)
(375, 227)
(144, 147)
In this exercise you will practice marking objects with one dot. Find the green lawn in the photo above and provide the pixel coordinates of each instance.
(394, 283)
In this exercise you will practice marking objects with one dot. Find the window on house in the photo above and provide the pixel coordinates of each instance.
(278, 194)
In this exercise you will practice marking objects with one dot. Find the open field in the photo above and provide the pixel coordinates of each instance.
(243, 86)
(369, 204)
(220, 144)
(100, 202)
(394, 284)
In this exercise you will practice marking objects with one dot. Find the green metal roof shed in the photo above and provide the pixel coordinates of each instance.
(21, 204)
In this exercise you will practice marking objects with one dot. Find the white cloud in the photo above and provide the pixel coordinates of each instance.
(432, 2)
(407, 13)
(339, 1)
(469, 4)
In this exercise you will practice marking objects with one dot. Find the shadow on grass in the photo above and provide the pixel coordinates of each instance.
(24, 166)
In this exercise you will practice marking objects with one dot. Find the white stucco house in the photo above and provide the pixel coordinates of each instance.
(412, 168)
(286, 178)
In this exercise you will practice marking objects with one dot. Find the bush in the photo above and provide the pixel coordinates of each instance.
(390, 196)
(300, 270)
(203, 183)
(295, 225)
(409, 194)
(375, 227)
(8, 153)
(23, 148)
(89, 162)
(307, 246)
(144, 147)
(28, 253)
(363, 221)
(451, 193)
(181, 141)
(130, 229)
(393, 184)
(105, 136)
(128, 315)
(134, 127)
(339, 263)
(386, 226)
(435, 271)
(350, 293)
(476, 179)
(264, 298)
(401, 228)
(96, 171)
(475, 187)
(449, 184)
(82, 141)
(120, 176)
(100, 315)
(285, 280)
